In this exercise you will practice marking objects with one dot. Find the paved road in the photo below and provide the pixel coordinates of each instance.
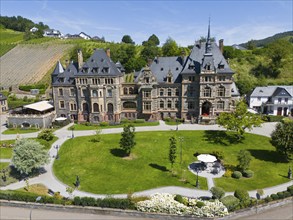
(9, 213)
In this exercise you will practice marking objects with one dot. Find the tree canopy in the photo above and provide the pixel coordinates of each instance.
(170, 48)
(127, 39)
(282, 138)
(127, 141)
(29, 155)
(239, 120)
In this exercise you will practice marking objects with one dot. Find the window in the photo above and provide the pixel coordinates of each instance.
(83, 92)
(258, 98)
(147, 106)
(147, 80)
(162, 68)
(60, 91)
(220, 105)
(286, 100)
(161, 92)
(131, 90)
(177, 92)
(190, 105)
(129, 105)
(72, 92)
(96, 118)
(147, 94)
(208, 79)
(207, 92)
(61, 104)
(110, 108)
(279, 100)
(125, 91)
(162, 104)
(221, 91)
(109, 93)
(95, 93)
(169, 104)
(222, 78)
(169, 92)
(85, 107)
(72, 107)
(96, 107)
(176, 104)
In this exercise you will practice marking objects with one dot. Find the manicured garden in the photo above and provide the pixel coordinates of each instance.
(20, 131)
(103, 169)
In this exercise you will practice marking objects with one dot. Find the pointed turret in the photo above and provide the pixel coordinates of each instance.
(208, 43)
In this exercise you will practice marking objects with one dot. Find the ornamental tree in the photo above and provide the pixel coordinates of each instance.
(29, 155)
(127, 141)
(172, 151)
(239, 120)
(282, 138)
(244, 158)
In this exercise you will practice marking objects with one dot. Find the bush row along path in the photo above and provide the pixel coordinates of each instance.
(49, 180)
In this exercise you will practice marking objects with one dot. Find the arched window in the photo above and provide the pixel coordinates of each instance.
(177, 92)
(95, 93)
(161, 92)
(162, 104)
(110, 108)
(169, 104)
(207, 92)
(169, 92)
(96, 107)
(85, 107)
(131, 90)
(221, 91)
(125, 91)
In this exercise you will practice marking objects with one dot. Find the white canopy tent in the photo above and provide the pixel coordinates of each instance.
(206, 158)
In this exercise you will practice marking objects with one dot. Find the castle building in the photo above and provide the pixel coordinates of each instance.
(196, 87)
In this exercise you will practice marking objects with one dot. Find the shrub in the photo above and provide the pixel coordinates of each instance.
(268, 199)
(115, 203)
(243, 196)
(217, 192)
(218, 154)
(88, 201)
(290, 190)
(46, 134)
(274, 196)
(124, 121)
(88, 124)
(104, 124)
(228, 173)
(280, 195)
(200, 204)
(275, 118)
(236, 174)
(231, 202)
(286, 194)
(179, 198)
(248, 173)
(76, 200)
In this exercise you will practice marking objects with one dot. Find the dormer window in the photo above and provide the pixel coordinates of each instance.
(221, 66)
(208, 67)
(162, 68)
(147, 80)
(61, 80)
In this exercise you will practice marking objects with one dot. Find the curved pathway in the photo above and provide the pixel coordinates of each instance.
(49, 180)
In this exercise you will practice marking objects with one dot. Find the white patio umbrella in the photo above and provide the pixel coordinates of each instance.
(60, 119)
(206, 158)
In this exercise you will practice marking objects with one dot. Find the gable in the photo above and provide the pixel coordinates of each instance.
(281, 92)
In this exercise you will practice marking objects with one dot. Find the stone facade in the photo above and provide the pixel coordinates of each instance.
(3, 103)
(196, 87)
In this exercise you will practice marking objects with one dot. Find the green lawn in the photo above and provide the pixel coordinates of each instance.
(102, 169)
(95, 127)
(3, 165)
(20, 131)
(5, 152)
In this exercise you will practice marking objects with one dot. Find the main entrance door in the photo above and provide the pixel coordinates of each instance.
(206, 107)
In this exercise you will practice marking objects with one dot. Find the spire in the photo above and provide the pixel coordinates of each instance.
(208, 43)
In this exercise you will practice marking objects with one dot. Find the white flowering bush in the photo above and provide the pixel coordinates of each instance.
(165, 203)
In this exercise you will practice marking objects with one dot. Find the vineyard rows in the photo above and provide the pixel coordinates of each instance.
(27, 64)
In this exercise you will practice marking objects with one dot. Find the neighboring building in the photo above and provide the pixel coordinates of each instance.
(72, 36)
(238, 47)
(52, 33)
(38, 115)
(274, 100)
(34, 29)
(84, 36)
(3, 103)
(196, 87)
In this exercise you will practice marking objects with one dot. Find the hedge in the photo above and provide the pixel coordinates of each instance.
(248, 173)
(236, 174)
(231, 202)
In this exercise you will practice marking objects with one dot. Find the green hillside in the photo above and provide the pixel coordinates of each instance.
(9, 39)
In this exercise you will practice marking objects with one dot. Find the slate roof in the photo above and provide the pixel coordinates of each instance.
(58, 69)
(2, 97)
(267, 91)
(234, 90)
(102, 62)
(66, 77)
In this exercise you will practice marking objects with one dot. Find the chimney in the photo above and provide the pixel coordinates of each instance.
(79, 58)
(150, 62)
(108, 52)
(221, 45)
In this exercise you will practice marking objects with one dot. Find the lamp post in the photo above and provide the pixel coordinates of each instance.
(72, 134)
(57, 155)
(176, 124)
(197, 171)
(37, 199)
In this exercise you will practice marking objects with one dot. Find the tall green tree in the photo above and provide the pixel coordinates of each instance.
(172, 151)
(170, 48)
(127, 141)
(239, 120)
(154, 40)
(29, 155)
(282, 138)
(244, 158)
(127, 39)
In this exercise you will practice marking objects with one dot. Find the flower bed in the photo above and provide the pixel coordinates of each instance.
(165, 203)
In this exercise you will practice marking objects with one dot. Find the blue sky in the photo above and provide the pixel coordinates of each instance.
(184, 21)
